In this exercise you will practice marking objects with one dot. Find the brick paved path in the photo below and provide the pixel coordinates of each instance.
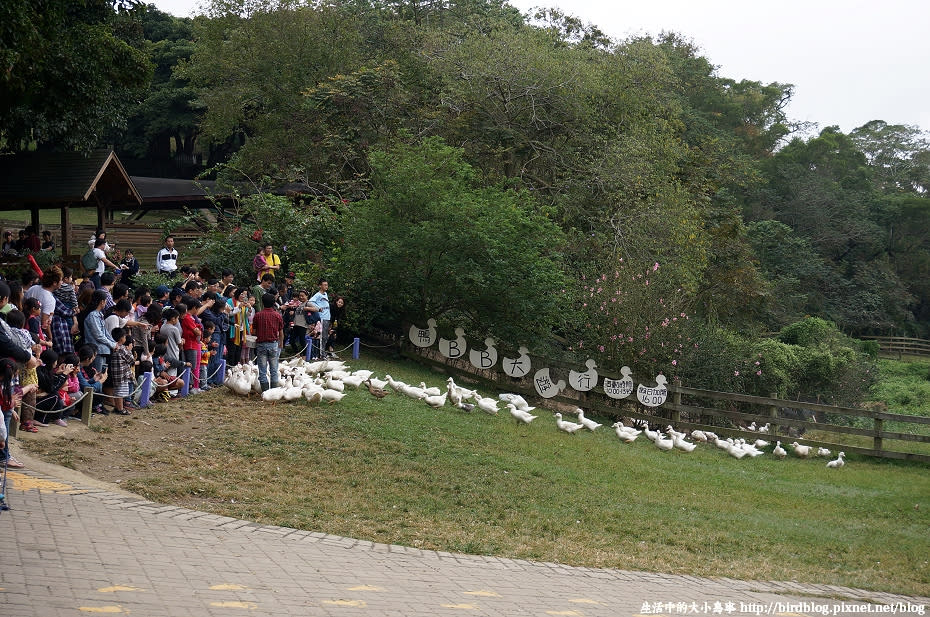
(72, 548)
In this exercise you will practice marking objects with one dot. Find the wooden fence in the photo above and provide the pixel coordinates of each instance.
(725, 413)
(900, 346)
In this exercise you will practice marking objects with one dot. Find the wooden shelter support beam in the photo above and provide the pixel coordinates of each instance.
(65, 230)
(34, 219)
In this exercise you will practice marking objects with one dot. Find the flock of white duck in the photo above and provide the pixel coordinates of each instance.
(327, 381)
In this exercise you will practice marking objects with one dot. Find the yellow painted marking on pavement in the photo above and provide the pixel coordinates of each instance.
(227, 587)
(251, 606)
(25, 483)
(118, 588)
(569, 613)
(366, 588)
(345, 602)
(483, 593)
(462, 606)
(586, 601)
(103, 609)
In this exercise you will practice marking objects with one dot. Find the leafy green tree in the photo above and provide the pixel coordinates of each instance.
(435, 241)
(166, 121)
(72, 71)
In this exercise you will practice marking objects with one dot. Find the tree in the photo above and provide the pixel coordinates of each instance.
(72, 71)
(165, 122)
(434, 241)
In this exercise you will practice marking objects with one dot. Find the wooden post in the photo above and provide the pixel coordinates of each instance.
(773, 414)
(87, 405)
(676, 399)
(65, 231)
(877, 440)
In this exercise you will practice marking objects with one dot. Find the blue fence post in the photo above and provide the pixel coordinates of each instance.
(221, 372)
(146, 393)
(186, 378)
(308, 350)
(355, 346)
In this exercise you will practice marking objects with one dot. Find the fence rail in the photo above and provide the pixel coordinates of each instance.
(726, 413)
(900, 346)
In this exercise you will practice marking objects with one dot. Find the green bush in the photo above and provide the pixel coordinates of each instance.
(808, 331)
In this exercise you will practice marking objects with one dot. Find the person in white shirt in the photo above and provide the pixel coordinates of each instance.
(166, 261)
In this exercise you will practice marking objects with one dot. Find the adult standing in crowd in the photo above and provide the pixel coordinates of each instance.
(321, 301)
(268, 326)
(51, 281)
(166, 261)
(102, 261)
(266, 262)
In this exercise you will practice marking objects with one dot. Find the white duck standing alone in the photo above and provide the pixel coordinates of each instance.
(839, 462)
(779, 452)
(486, 404)
(519, 415)
(569, 427)
(588, 423)
(801, 451)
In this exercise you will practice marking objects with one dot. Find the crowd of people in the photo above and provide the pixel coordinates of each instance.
(62, 333)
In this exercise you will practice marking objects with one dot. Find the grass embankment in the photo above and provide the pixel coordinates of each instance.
(397, 471)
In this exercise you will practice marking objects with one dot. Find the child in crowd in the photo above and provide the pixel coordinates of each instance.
(121, 367)
(191, 344)
(32, 309)
(52, 378)
(11, 396)
(165, 382)
(70, 393)
(171, 330)
(27, 376)
(206, 352)
(88, 377)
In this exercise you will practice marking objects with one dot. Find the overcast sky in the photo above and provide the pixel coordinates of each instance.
(850, 61)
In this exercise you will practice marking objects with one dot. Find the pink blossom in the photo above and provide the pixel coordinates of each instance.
(736, 373)
(758, 372)
(600, 348)
(674, 362)
(655, 266)
(757, 363)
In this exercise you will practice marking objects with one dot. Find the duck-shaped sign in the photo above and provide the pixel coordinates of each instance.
(484, 358)
(518, 367)
(653, 396)
(423, 337)
(619, 388)
(544, 385)
(582, 382)
(454, 349)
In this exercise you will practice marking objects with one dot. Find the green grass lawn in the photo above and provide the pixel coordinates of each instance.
(397, 471)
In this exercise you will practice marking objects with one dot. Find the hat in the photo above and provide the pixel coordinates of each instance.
(161, 290)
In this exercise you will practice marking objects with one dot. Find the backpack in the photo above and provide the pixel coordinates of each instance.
(89, 260)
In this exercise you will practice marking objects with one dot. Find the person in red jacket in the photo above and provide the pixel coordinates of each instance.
(190, 337)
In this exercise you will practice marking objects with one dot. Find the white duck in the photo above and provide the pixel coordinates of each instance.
(335, 384)
(626, 429)
(625, 433)
(519, 415)
(679, 442)
(734, 450)
(663, 443)
(761, 443)
(487, 404)
(364, 374)
(273, 395)
(518, 401)
(436, 401)
(697, 435)
(569, 427)
(332, 396)
(779, 452)
(588, 423)
(430, 391)
(397, 386)
(823, 452)
(839, 462)
(377, 383)
(801, 451)
(353, 380)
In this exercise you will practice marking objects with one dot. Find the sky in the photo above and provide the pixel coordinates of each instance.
(850, 61)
